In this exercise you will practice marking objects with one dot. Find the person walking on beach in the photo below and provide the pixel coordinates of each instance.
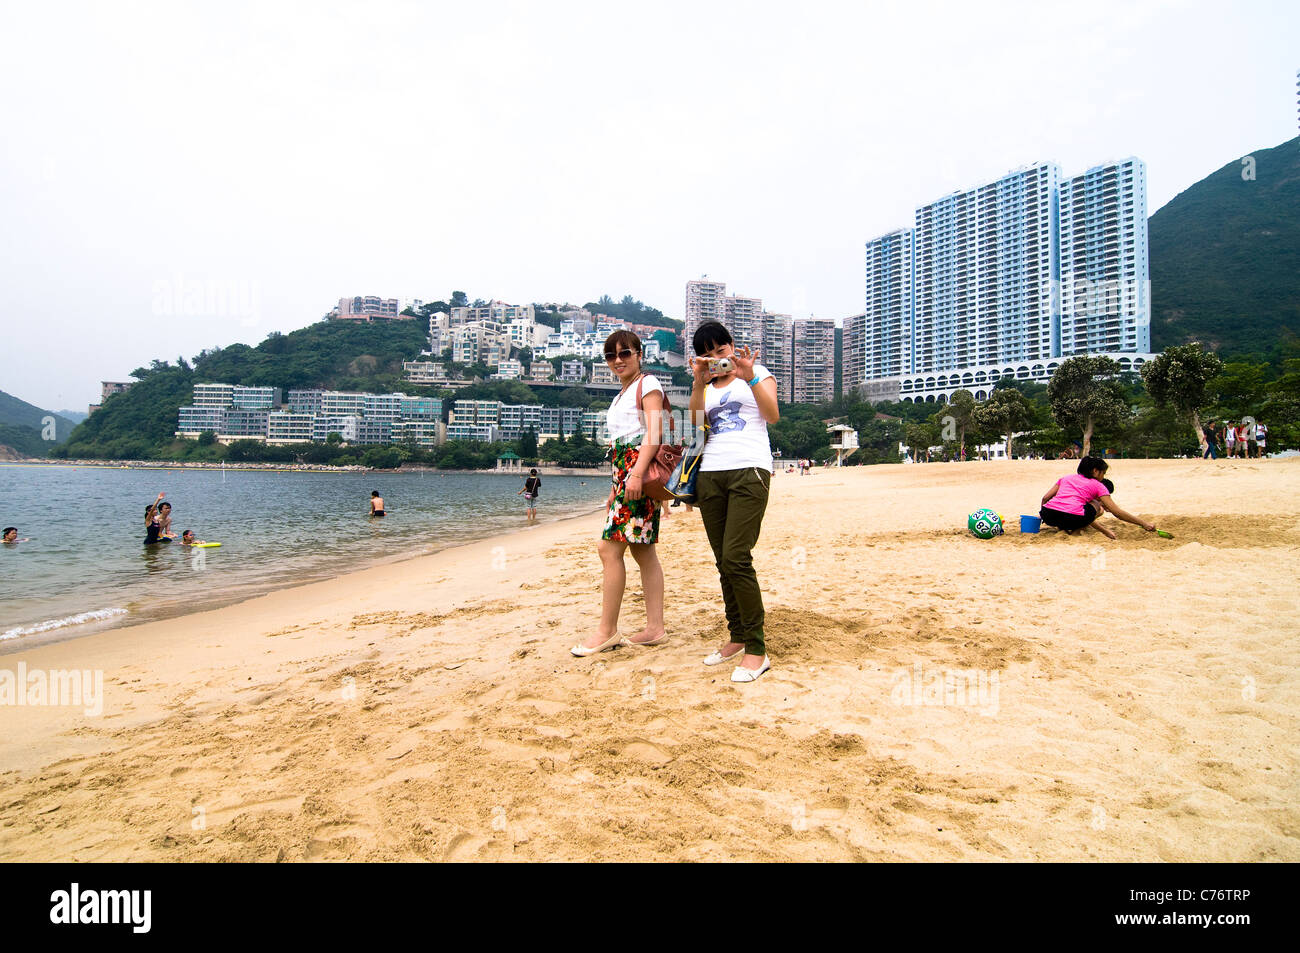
(376, 504)
(733, 483)
(1210, 448)
(1261, 437)
(1066, 504)
(634, 422)
(532, 487)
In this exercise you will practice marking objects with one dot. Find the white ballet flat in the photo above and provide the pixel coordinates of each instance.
(742, 674)
(717, 658)
(582, 651)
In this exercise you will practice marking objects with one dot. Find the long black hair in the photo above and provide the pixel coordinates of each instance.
(1088, 464)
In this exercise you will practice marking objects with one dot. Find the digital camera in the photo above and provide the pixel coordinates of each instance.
(720, 367)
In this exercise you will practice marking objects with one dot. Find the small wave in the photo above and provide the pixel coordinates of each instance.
(92, 616)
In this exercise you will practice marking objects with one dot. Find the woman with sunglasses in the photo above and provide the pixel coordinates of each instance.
(632, 519)
(731, 490)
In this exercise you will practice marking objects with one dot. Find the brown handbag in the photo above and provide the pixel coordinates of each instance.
(667, 455)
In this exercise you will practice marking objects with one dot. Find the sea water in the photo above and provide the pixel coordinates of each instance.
(85, 567)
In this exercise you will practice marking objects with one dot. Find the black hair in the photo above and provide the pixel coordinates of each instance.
(1088, 464)
(533, 472)
(8, 530)
(1108, 485)
(374, 492)
(708, 336)
(188, 532)
(623, 338)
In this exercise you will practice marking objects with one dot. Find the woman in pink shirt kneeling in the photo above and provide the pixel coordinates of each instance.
(1065, 505)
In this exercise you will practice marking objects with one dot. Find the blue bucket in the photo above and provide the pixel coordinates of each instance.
(1030, 524)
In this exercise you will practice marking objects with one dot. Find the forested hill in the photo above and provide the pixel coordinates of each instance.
(23, 427)
(1225, 257)
(336, 355)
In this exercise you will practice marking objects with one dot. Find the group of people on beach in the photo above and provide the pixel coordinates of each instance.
(736, 400)
(1246, 439)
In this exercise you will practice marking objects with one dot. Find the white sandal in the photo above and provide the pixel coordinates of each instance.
(742, 674)
(581, 651)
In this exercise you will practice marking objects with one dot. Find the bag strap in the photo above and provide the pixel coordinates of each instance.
(668, 406)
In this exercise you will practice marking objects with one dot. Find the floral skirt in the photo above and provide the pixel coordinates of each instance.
(629, 521)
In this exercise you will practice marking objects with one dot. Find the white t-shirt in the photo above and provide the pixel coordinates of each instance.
(737, 431)
(622, 420)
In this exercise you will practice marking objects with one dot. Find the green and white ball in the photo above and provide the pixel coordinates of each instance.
(985, 523)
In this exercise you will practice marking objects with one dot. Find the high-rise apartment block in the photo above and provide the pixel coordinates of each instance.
(812, 356)
(768, 334)
(1008, 278)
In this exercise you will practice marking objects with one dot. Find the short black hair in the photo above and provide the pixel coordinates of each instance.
(374, 492)
(533, 472)
(8, 530)
(708, 336)
(1088, 464)
(1108, 485)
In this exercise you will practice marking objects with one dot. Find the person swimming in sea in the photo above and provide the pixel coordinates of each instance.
(376, 503)
(153, 522)
(11, 535)
(188, 538)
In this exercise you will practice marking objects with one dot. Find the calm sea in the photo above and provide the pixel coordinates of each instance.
(85, 567)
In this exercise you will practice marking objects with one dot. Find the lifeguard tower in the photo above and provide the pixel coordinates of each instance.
(844, 441)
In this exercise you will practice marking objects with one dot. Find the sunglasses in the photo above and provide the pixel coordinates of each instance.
(626, 353)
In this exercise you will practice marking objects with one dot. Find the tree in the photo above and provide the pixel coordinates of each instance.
(528, 444)
(960, 413)
(459, 299)
(1006, 411)
(1178, 378)
(1085, 394)
(207, 438)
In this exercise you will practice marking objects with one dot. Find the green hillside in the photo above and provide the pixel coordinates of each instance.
(23, 427)
(1225, 258)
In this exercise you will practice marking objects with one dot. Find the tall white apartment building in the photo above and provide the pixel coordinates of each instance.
(744, 319)
(1005, 279)
(705, 301)
(812, 355)
(1105, 278)
(774, 352)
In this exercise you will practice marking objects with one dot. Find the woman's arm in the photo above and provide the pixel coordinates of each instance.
(700, 381)
(651, 405)
(1118, 513)
(1052, 492)
(764, 391)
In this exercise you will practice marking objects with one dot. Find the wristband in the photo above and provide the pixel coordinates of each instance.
(754, 381)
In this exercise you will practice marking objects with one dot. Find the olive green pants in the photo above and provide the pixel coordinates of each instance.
(731, 503)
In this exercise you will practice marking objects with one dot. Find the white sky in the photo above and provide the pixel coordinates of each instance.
(296, 153)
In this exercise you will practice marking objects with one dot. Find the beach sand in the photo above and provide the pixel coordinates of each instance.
(1127, 700)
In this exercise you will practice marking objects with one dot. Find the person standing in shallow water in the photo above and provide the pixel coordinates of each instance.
(732, 486)
(632, 520)
(376, 504)
(532, 487)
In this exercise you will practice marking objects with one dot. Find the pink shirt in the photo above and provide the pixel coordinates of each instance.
(1074, 493)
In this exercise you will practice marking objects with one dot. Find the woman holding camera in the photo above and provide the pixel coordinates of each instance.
(632, 519)
(737, 396)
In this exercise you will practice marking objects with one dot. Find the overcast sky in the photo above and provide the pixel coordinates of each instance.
(284, 155)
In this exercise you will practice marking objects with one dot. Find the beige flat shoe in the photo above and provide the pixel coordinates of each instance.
(581, 651)
(659, 641)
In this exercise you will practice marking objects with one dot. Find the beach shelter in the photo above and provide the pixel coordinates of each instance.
(509, 461)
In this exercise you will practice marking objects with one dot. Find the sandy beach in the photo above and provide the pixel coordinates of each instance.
(932, 697)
